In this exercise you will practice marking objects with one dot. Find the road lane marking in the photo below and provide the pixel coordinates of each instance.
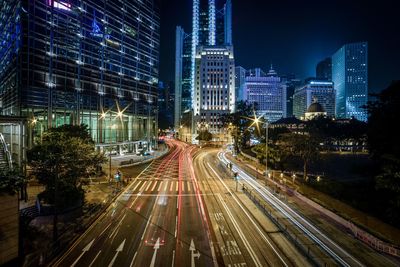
(159, 187)
(183, 186)
(133, 259)
(117, 251)
(188, 186)
(118, 225)
(176, 187)
(147, 224)
(139, 182)
(170, 187)
(241, 234)
(97, 255)
(173, 258)
(144, 183)
(96, 223)
(84, 250)
(154, 186)
(148, 186)
(248, 216)
(176, 224)
(166, 186)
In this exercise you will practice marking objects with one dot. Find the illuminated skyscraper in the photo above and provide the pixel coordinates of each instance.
(267, 93)
(211, 25)
(350, 77)
(91, 62)
(314, 90)
(215, 87)
(324, 69)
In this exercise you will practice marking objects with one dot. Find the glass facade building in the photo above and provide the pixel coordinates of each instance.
(350, 76)
(319, 91)
(323, 70)
(91, 62)
(211, 26)
(268, 92)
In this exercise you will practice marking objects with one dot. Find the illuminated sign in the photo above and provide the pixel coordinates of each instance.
(59, 5)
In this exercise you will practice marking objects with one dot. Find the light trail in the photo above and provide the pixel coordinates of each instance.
(291, 214)
(248, 216)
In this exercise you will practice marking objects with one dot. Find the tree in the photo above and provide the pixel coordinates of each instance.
(384, 145)
(204, 135)
(65, 155)
(303, 146)
(11, 181)
(239, 121)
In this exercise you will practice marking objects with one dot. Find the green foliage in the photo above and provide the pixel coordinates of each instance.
(11, 181)
(276, 156)
(65, 155)
(303, 146)
(204, 135)
(239, 122)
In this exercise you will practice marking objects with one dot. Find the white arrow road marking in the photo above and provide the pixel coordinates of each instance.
(118, 250)
(156, 247)
(192, 249)
(84, 250)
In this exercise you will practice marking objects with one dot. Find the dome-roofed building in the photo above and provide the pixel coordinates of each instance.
(315, 110)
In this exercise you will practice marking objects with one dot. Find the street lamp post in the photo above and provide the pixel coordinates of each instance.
(256, 120)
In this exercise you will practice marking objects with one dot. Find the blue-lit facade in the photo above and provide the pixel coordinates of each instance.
(320, 91)
(267, 93)
(350, 77)
(91, 62)
(211, 26)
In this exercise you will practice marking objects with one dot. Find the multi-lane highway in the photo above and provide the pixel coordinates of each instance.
(244, 237)
(186, 210)
(157, 221)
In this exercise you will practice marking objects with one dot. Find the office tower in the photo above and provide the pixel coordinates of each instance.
(324, 69)
(183, 72)
(211, 25)
(320, 91)
(350, 77)
(215, 87)
(240, 79)
(267, 93)
(165, 104)
(291, 83)
(91, 62)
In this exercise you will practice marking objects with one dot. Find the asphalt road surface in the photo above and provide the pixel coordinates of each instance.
(159, 220)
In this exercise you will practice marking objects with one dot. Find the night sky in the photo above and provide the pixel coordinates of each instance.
(296, 35)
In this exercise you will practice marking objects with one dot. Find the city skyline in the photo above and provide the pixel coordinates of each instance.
(297, 47)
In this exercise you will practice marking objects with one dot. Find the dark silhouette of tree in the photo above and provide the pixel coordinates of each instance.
(302, 146)
(238, 122)
(65, 155)
(384, 144)
(204, 135)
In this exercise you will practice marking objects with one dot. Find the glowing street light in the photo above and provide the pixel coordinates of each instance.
(256, 121)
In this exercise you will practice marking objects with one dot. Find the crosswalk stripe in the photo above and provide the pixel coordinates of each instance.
(160, 185)
(176, 188)
(138, 183)
(147, 188)
(154, 186)
(170, 187)
(183, 186)
(188, 186)
(166, 185)
(141, 188)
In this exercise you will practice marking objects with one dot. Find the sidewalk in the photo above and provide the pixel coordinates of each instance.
(99, 188)
(365, 221)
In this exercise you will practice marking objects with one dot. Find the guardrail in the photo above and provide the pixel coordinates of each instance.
(304, 249)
